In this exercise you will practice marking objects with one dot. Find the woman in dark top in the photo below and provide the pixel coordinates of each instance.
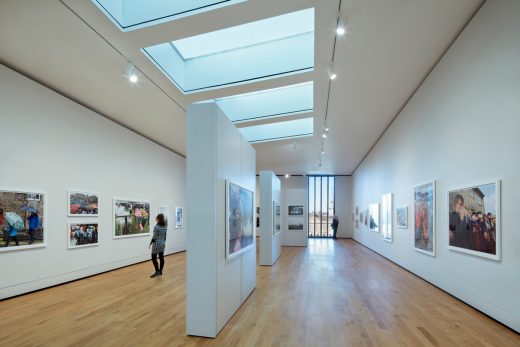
(158, 242)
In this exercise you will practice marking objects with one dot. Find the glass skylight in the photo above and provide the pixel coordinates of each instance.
(276, 102)
(279, 131)
(133, 14)
(259, 50)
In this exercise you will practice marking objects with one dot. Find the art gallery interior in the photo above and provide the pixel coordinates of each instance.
(332, 173)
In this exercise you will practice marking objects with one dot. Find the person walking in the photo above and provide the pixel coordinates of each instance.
(11, 235)
(158, 242)
(34, 223)
(334, 225)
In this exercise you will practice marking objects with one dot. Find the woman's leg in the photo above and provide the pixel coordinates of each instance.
(161, 259)
(154, 261)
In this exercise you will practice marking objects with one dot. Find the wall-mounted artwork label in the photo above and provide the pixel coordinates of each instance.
(474, 220)
(386, 217)
(295, 224)
(295, 210)
(240, 234)
(178, 217)
(131, 218)
(276, 218)
(401, 216)
(83, 235)
(373, 217)
(424, 217)
(83, 204)
(22, 220)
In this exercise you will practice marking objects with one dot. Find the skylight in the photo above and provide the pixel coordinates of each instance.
(279, 131)
(134, 14)
(263, 49)
(276, 102)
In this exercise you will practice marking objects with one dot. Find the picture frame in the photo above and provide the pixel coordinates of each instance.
(82, 203)
(82, 234)
(295, 224)
(23, 203)
(387, 217)
(474, 220)
(277, 224)
(295, 210)
(124, 222)
(179, 217)
(373, 217)
(424, 211)
(240, 211)
(401, 217)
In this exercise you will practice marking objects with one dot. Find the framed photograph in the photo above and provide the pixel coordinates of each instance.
(276, 218)
(82, 235)
(386, 217)
(296, 210)
(357, 210)
(23, 220)
(362, 217)
(357, 224)
(82, 204)
(165, 210)
(131, 218)
(373, 217)
(474, 220)
(295, 224)
(240, 231)
(178, 217)
(366, 217)
(401, 214)
(424, 217)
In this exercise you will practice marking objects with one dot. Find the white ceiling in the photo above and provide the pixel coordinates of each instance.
(390, 47)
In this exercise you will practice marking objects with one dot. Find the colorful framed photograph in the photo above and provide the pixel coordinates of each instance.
(82, 204)
(276, 218)
(131, 218)
(179, 218)
(401, 217)
(474, 220)
(240, 231)
(23, 220)
(386, 217)
(373, 218)
(424, 217)
(82, 235)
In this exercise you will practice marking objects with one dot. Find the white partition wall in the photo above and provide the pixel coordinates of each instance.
(216, 286)
(270, 238)
(294, 193)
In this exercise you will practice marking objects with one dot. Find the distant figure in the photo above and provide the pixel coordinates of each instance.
(158, 241)
(334, 225)
(11, 235)
(139, 218)
(34, 223)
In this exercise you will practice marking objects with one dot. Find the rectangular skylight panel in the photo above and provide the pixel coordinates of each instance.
(133, 14)
(266, 30)
(275, 102)
(279, 131)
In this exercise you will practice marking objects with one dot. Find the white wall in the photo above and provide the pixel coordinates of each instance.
(216, 287)
(294, 192)
(270, 241)
(343, 197)
(461, 128)
(53, 145)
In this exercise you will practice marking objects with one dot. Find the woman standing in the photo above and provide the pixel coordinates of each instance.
(158, 241)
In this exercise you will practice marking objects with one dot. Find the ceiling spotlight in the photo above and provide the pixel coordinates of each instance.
(326, 130)
(333, 76)
(287, 175)
(324, 135)
(340, 30)
(133, 78)
(131, 73)
(322, 151)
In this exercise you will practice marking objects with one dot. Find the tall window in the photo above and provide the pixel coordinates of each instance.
(321, 205)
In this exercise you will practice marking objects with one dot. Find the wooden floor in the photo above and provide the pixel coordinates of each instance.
(332, 293)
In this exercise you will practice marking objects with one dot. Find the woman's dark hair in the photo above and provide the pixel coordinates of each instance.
(161, 221)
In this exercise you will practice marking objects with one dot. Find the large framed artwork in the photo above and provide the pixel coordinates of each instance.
(474, 220)
(178, 217)
(165, 210)
(386, 217)
(82, 204)
(424, 217)
(240, 235)
(373, 217)
(401, 216)
(276, 218)
(295, 210)
(82, 235)
(131, 218)
(23, 220)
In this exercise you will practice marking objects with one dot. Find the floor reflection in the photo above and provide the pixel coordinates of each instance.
(322, 246)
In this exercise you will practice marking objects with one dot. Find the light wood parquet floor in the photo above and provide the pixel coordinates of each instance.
(332, 293)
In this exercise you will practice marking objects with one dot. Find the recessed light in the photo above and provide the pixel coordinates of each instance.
(287, 175)
(133, 78)
(340, 31)
(324, 135)
(333, 76)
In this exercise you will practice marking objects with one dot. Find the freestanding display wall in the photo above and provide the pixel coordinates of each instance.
(218, 157)
(270, 218)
